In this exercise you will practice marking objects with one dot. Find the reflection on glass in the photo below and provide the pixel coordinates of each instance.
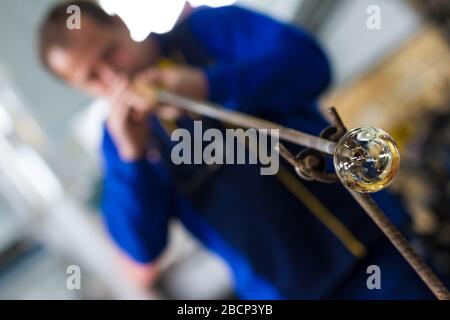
(366, 159)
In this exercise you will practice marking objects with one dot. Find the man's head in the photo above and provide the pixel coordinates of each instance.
(88, 58)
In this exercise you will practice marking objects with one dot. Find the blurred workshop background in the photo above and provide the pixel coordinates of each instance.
(396, 77)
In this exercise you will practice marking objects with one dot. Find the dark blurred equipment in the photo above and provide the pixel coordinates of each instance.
(438, 11)
(429, 163)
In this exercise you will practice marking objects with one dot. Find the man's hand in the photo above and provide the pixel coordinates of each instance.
(128, 120)
(183, 80)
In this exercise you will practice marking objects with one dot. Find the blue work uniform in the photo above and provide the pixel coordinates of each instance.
(283, 238)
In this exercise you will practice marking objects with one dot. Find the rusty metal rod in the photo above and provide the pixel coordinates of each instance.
(402, 245)
(247, 121)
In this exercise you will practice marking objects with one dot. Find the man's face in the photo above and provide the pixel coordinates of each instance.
(97, 53)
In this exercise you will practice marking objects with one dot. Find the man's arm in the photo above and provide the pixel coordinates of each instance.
(136, 204)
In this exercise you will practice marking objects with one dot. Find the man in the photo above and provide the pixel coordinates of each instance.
(282, 237)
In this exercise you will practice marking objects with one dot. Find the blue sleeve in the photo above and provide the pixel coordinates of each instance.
(261, 65)
(135, 204)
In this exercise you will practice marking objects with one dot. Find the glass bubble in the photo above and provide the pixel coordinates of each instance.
(366, 159)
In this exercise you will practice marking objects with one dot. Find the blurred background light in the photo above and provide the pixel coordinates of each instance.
(144, 17)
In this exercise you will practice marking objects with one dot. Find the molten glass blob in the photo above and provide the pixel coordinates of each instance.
(366, 159)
